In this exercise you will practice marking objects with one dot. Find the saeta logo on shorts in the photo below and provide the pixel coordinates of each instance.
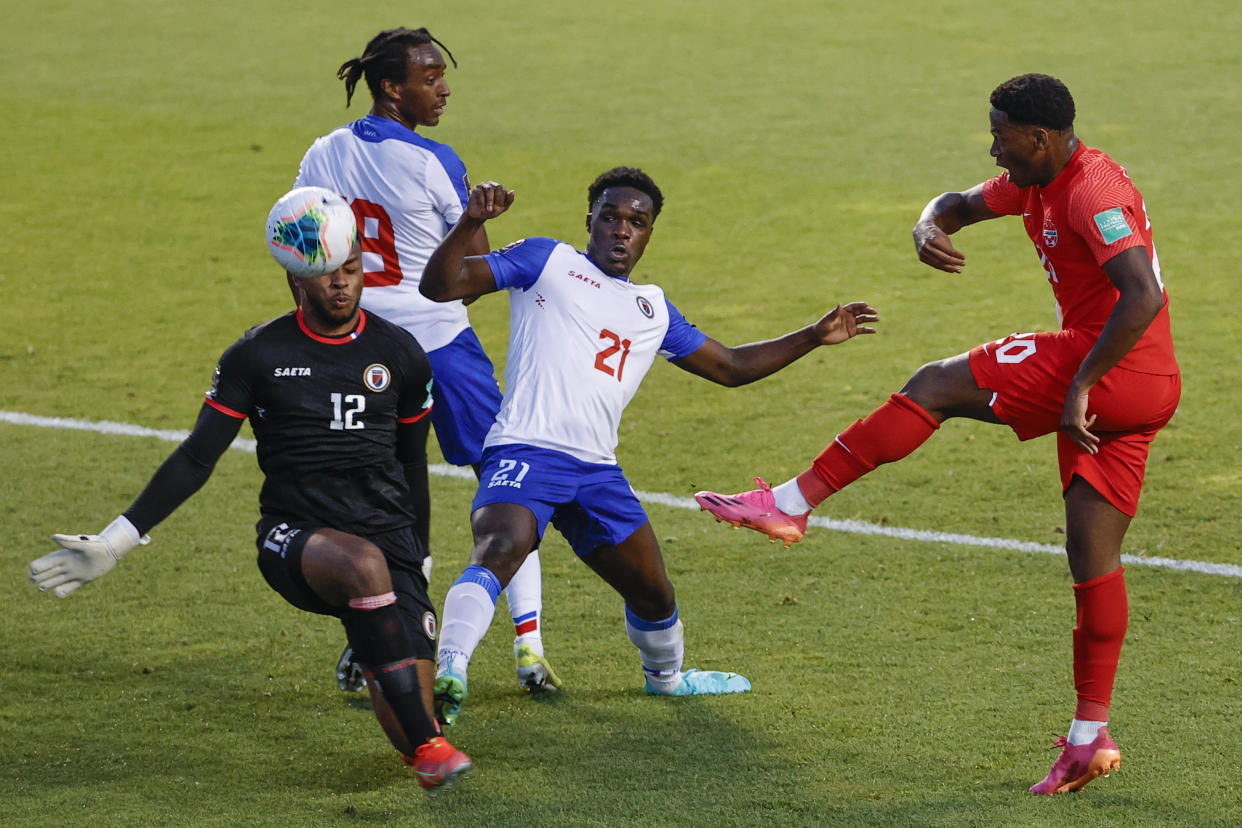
(501, 477)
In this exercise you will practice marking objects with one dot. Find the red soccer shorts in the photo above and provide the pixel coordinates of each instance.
(1030, 375)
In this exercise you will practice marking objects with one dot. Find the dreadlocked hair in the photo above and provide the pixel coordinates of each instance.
(1035, 100)
(626, 177)
(385, 58)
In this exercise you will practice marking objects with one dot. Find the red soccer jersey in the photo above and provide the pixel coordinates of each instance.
(1088, 214)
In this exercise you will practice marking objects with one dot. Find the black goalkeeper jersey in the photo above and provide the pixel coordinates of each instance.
(324, 413)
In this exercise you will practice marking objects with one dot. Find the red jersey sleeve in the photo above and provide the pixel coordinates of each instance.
(1107, 212)
(1002, 197)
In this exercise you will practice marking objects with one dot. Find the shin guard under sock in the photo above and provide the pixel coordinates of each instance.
(524, 594)
(662, 646)
(889, 433)
(378, 634)
(469, 608)
(1103, 614)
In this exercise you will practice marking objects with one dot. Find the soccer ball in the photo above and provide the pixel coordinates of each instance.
(310, 231)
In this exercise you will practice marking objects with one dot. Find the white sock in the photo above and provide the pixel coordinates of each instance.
(525, 597)
(789, 498)
(662, 646)
(468, 610)
(1083, 733)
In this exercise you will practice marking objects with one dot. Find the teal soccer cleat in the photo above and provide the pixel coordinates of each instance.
(450, 692)
(704, 683)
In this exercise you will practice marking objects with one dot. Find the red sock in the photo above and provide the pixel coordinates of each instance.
(889, 433)
(1103, 612)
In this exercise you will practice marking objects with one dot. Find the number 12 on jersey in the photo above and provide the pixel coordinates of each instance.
(345, 409)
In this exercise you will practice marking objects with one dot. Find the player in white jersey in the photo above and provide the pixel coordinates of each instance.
(581, 338)
(406, 192)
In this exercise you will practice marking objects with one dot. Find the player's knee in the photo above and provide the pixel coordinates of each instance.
(653, 601)
(500, 552)
(945, 388)
(927, 384)
(362, 570)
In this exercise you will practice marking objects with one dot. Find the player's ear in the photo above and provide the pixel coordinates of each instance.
(588, 222)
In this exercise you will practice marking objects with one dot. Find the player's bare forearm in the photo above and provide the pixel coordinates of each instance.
(1140, 300)
(452, 272)
(1125, 327)
(745, 364)
(445, 274)
(943, 216)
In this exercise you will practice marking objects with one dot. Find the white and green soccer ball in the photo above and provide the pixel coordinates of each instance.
(310, 231)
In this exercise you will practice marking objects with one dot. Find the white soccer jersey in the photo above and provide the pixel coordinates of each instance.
(580, 342)
(407, 191)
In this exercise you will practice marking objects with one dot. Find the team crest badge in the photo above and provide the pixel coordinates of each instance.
(645, 307)
(1050, 233)
(429, 625)
(376, 377)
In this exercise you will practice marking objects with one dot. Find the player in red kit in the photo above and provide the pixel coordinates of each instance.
(1106, 382)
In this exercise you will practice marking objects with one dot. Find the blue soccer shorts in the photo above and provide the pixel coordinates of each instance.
(467, 398)
(591, 504)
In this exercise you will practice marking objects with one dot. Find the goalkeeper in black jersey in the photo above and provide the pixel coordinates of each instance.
(338, 401)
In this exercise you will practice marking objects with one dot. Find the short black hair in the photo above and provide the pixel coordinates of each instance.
(626, 177)
(385, 58)
(1035, 100)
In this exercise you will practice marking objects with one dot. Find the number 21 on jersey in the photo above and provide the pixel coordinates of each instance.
(602, 357)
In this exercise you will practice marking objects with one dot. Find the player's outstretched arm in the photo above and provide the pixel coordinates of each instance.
(81, 559)
(451, 272)
(746, 363)
(943, 216)
(1139, 301)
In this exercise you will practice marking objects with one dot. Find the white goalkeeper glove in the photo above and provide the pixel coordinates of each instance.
(83, 558)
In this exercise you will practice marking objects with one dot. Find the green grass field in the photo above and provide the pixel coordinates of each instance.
(897, 682)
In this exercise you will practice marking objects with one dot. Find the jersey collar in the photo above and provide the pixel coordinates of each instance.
(375, 128)
(335, 340)
(1068, 172)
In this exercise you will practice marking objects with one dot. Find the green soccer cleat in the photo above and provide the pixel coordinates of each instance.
(534, 672)
(450, 692)
(704, 683)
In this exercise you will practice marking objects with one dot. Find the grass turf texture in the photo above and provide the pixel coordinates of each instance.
(895, 683)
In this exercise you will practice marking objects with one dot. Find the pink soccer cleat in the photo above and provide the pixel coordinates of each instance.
(1079, 764)
(756, 510)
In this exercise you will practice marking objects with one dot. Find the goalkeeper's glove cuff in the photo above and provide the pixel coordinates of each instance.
(122, 536)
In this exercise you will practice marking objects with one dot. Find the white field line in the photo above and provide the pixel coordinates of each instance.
(856, 527)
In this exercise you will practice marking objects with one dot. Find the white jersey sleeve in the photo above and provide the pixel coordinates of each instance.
(406, 191)
(580, 343)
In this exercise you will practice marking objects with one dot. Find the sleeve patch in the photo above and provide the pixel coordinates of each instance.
(1112, 225)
